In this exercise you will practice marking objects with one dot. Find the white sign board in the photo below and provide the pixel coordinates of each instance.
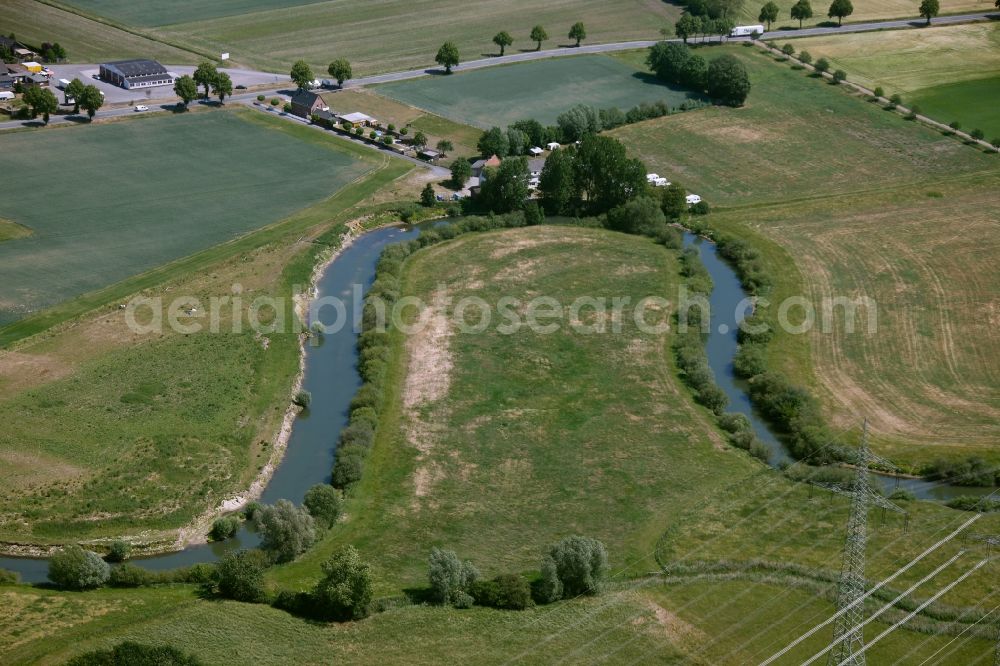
(225, 56)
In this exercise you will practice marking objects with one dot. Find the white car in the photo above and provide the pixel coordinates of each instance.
(141, 107)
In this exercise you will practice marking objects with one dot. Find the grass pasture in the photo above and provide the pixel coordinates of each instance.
(541, 90)
(154, 190)
(147, 13)
(522, 444)
(951, 72)
(843, 198)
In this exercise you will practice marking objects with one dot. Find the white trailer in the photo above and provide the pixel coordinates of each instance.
(62, 83)
(746, 30)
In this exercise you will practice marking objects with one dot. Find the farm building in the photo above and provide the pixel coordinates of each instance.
(536, 151)
(305, 103)
(481, 165)
(429, 155)
(131, 74)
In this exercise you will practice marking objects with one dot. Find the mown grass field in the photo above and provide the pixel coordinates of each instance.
(519, 442)
(846, 199)
(156, 190)
(952, 72)
(85, 40)
(541, 90)
(149, 14)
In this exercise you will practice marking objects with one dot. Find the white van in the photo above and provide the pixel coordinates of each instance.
(746, 30)
(141, 107)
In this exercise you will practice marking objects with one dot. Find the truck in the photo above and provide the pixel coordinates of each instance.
(746, 30)
(62, 83)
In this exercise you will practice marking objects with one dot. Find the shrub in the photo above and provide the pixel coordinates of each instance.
(8, 577)
(348, 469)
(714, 398)
(969, 471)
(839, 76)
(914, 112)
(287, 108)
(641, 215)
(549, 588)
(261, 98)
(734, 422)
(130, 575)
(955, 125)
(358, 131)
(581, 563)
(73, 568)
(972, 503)
(448, 576)
(275, 101)
(895, 100)
(506, 591)
(805, 57)
(345, 591)
(224, 528)
(788, 49)
(241, 575)
(303, 398)
(120, 551)
(822, 65)
(977, 134)
(251, 509)
(323, 503)
(750, 361)
(879, 91)
(136, 654)
(902, 495)
(701, 208)
(286, 530)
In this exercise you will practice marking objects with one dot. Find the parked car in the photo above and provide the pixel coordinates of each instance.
(241, 87)
(141, 107)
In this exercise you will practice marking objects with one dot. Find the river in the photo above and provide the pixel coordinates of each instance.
(332, 378)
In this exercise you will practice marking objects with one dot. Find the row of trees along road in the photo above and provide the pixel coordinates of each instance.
(43, 101)
(214, 82)
(448, 55)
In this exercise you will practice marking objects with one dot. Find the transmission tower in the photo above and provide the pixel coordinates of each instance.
(848, 632)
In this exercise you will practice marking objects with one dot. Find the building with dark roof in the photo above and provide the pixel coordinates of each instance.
(131, 74)
(305, 103)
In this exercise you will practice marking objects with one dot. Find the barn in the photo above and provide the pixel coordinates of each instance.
(131, 74)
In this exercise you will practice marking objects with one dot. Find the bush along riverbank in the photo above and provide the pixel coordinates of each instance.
(790, 408)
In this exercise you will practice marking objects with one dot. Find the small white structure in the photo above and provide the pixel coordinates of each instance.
(536, 151)
(553, 146)
(661, 182)
(746, 30)
(358, 118)
(650, 177)
(692, 199)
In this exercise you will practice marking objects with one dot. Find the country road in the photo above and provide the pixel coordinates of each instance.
(253, 77)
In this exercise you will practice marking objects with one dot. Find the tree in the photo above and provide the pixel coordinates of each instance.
(503, 40)
(517, 141)
(447, 56)
(205, 76)
(769, 13)
(74, 91)
(427, 196)
(120, 551)
(533, 129)
(419, 139)
(445, 146)
(578, 122)
(673, 201)
(448, 576)
(556, 183)
(322, 501)
(728, 81)
(930, 8)
(91, 100)
(550, 588)
(42, 102)
(505, 189)
(694, 73)
(59, 52)
(977, 134)
(240, 575)
(805, 57)
(222, 86)
(667, 60)
(687, 26)
(840, 9)
(801, 11)
(340, 69)
(578, 32)
(822, 65)
(494, 141)
(788, 50)
(641, 215)
(461, 171)
(186, 89)
(286, 530)
(538, 35)
(73, 568)
(345, 591)
(580, 563)
(302, 74)
(839, 76)
(604, 175)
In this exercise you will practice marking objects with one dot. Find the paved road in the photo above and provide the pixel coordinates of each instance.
(282, 83)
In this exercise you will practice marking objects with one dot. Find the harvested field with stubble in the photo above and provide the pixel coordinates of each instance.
(497, 444)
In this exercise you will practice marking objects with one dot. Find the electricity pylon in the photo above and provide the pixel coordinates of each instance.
(848, 633)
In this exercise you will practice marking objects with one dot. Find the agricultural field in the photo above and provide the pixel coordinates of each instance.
(376, 37)
(864, 10)
(154, 190)
(951, 72)
(845, 198)
(85, 40)
(11, 230)
(540, 90)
